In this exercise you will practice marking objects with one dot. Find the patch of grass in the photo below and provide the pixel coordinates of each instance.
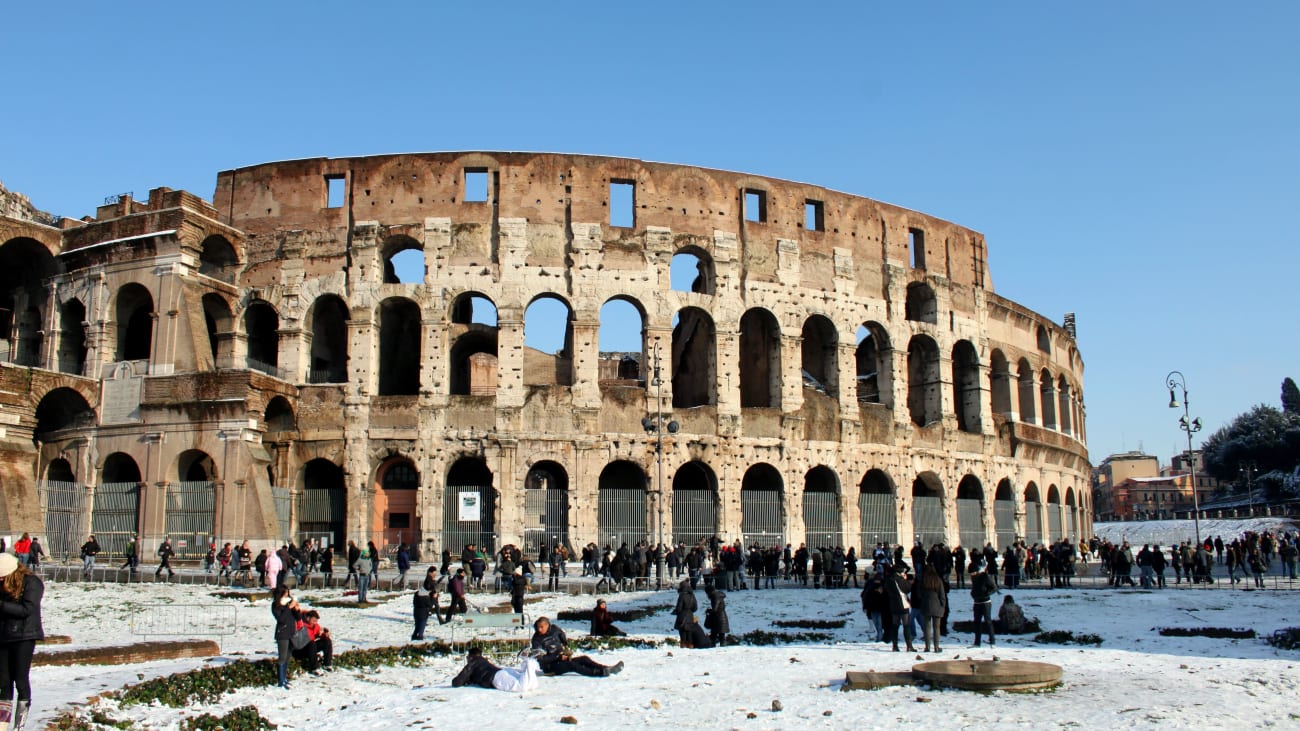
(810, 623)
(244, 718)
(623, 615)
(762, 637)
(1222, 633)
(1066, 637)
(249, 596)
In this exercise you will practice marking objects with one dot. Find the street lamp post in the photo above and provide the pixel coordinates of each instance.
(1248, 472)
(657, 425)
(1176, 381)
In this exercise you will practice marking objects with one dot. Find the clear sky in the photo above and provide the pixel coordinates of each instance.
(1134, 163)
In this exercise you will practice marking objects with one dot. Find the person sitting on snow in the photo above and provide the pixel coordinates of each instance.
(480, 671)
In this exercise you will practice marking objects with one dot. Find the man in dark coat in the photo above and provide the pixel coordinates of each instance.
(165, 554)
(982, 588)
(457, 588)
(715, 619)
(556, 659)
(518, 587)
(478, 671)
(684, 610)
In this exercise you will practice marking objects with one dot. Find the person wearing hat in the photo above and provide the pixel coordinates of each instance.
(982, 588)
(20, 628)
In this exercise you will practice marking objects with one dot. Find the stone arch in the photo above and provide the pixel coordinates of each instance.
(323, 513)
(469, 479)
(924, 381)
(25, 266)
(921, 305)
(1071, 515)
(195, 465)
(134, 312)
(823, 525)
(874, 364)
(1054, 522)
(622, 344)
(1047, 390)
(217, 259)
(262, 328)
(60, 470)
(1004, 513)
(695, 503)
(119, 467)
(400, 341)
(1064, 403)
(1033, 514)
(473, 352)
(929, 524)
(877, 511)
(1028, 394)
(819, 353)
(546, 506)
(279, 416)
(547, 316)
(621, 508)
(72, 337)
(219, 323)
(62, 409)
(327, 321)
(403, 259)
(394, 509)
(695, 359)
(692, 270)
(1044, 340)
(762, 506)
(967, 396)
(760, 359)
(1000, 381)
(970, 512)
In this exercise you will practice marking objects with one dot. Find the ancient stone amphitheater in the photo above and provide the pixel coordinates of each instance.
(335, 348)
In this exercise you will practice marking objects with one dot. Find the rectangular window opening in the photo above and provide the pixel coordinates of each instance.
(916, 245)
(399, 520)
(334, 191)
(814, 215)
(756, 206)
(476, 185)
(622, 203)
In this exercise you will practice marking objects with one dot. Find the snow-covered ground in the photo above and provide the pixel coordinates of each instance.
(1136, 679)
(1166, 532)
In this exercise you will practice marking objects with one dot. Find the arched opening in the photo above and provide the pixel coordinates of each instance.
(1000, 377)
(691, 271)
(874, 372)
(621, 515)
(220, 327)
(928, 524)
(966, 392)
(695, 503)
(695, 364)
(192, 504)
(59, 410)
(1028, 394)
(1071, 526)
(59, 470)
(25, 265)
(1054, 523)
(72, 337)
(1047, 390)
(1004, 514)
(62, 501)
(1044, 341)
(399, 347)
(1064, 402)
(1033, 515)
(762, 512)
(328, 323)
(548, 342)
(821, 508)
(921, 304)
(279, 416)
(877, 512)
(395, 517)
(819, 354)
(473, 356)
(115, 512)
(970, 512)
(469, 507)
(924, 381)
(403, 260)
(760, 360)
(323, 513)
(262, 327)
(546, 507)
(134, 318)
(622, 343)
(217, 259)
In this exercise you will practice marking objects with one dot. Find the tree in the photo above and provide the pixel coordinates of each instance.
(1290, 396)
(1265, 436)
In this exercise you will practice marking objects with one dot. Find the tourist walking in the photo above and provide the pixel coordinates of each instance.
(89, 550)
(20, 628)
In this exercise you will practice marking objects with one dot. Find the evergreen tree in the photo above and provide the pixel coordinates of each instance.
(1290, 396)
(1265, 436)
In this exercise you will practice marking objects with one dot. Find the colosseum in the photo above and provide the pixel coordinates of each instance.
(336, 348)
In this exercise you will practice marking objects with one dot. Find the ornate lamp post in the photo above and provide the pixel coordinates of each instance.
(657, 425)
(1175, 381)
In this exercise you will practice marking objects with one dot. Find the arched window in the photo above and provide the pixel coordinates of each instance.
(760, 360)
(61, 409)
(1028, 394)
(25, 266)
(328, 320)
(1047, 390)
(762, 512)
(694, 359)
(262, 327)
(279, 416)
(220, 327)
(1065, 402)
(400, 339)
(970, 512)
(72, 337)
(819, 351)
(692, 271)
(967, 396)
(874, 370)
(548, 342)
(403, 260)
(217, 259)
(695, 503)
(928, 523)
(621, 505)
(821, 508)
(1000, 377)
(921, 304)
(877, 511)
(1004, 514)
(546, 506)
(924, 398)
(323, 513)
(1044, 341)
(473, 334)
(622, 342)
(134, 323)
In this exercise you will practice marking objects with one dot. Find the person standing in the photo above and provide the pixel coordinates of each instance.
(933, 601)
(374, 562)
(35, 554)
(716, 620)
(272, 569)
(245, 555)
(365, 568)
(325, 563)
(286, 613)
(130, 553)
(897, 589)
(518, 587)
(457, 588)
(982, 588)
(403, 565)
(684, 610)
(89, 550)
(165, 554)
(20, 628)
(424, 602)
(23, 549)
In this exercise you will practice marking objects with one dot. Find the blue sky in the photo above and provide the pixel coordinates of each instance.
(1129, 162)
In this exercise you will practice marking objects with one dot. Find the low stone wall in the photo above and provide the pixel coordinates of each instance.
(128, 654)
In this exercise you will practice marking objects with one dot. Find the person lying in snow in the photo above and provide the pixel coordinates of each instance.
(556, 659)
(480, 671)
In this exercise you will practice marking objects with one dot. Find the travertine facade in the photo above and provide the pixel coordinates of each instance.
(840, 368)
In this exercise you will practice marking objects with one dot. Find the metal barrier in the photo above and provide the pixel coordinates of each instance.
(184, 620)
(64, 510)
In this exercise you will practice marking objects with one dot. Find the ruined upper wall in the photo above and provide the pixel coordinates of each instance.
(560, 190)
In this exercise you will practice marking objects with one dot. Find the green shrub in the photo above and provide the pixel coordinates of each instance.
(244, 718)
(810, 623)
(1221, 633)
(1066, 637)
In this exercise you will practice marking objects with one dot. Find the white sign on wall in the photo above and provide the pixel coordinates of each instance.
(469, 507)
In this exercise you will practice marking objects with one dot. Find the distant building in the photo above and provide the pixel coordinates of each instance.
(1113, 471)
(1163, 495)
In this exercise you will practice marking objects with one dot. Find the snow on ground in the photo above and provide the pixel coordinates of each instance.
(1166, 532)
(1136, 679)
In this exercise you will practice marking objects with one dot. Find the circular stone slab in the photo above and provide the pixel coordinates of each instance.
(989, 674)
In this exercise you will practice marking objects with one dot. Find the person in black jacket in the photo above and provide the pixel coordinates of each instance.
(982, 588)
(20, 628)
(478, 670)
(518, 587)
(556, 659)
(685, 610)
(165, 554)
(424, 601)
(286, 612)
(89, 550)
(715, 619)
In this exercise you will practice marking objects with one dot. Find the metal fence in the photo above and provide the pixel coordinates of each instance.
(546, 518)
(1033, 523)
(876, 517)
(457, 533)
(283, 499)
(760, 518)
(821, 519)
(115, 517)
(1004, 518)
(621, 515)
(970, 523)
(1053, 522)
(1070, 531)
(927, 520)
(323, 513)
(184, 620)
(695, 515)
(191, 513)
(63, 514)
